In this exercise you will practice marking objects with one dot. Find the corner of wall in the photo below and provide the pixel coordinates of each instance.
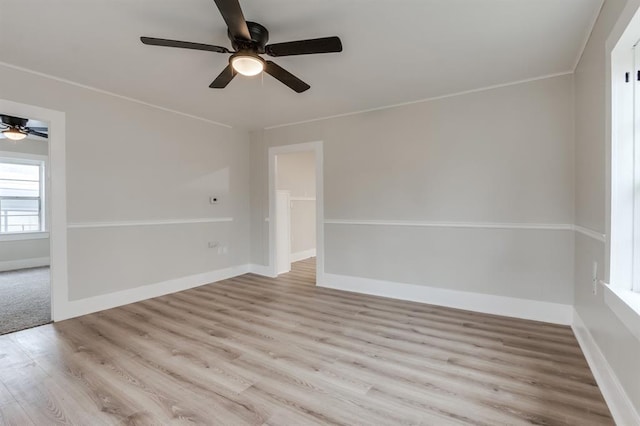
(621, 407)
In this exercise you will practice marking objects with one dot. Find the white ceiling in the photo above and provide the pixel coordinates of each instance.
(395, 51)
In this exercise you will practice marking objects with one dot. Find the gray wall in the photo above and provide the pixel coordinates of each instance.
(619, 346)
(22, 251)
(296, 174)
(500, 155)
(131, 162)
(28, 146)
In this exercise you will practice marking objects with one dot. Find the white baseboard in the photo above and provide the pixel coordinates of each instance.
(622, 409)
(301, 255)
(11, 265)
(536, 310)
(89, 305)
(263, 270)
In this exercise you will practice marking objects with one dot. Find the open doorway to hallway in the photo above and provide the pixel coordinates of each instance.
(295, 180)
(25, 290)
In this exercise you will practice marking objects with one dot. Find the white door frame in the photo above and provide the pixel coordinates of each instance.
(58, 196)
(283, 239)
(316, 148)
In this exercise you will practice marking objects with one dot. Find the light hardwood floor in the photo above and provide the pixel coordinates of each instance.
(253, 350)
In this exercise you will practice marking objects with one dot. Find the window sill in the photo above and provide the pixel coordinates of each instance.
(20, 236)
(626, 305)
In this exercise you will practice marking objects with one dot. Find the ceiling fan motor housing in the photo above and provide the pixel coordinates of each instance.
(13, 121)
(259, 39)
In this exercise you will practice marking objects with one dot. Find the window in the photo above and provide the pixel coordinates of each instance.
(625, 168)
(636, 170)
(622, 295)
(21, 196)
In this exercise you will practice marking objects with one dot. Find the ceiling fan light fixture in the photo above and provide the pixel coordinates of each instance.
(247, 64)
(249, 40)
(14, 134)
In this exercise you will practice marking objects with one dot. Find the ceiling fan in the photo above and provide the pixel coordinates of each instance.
(15, 128)
(249, 41)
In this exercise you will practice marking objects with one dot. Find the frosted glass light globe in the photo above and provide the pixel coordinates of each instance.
(14, 134)
(247, 65)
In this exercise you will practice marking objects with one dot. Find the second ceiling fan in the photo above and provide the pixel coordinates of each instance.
(249, 41)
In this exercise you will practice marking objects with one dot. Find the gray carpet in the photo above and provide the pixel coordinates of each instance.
(25, 299)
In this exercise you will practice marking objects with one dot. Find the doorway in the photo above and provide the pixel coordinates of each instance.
(296, 231)
(25, 284)
(55, 202)
(295, 208)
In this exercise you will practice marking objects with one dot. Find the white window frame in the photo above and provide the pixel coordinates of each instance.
(623, 176)
(635, 284)
(41, 162)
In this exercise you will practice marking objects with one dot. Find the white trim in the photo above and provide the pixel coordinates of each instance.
(105, 92)
(482, 225)
(263, 270)
(618, 34)
(23, 156)
(435, 98)
(432, 224)
(89, 305)
(536, 310)
(301, 255)
(302, 198)
(590, 233)
(317, 148)
(626, 305)
(12, 265)
(148, 222)
(283, 230)
(22, 236)
(587, 36)
(58, 196)
(619, 403)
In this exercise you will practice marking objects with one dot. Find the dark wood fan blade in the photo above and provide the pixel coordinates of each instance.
(305, 47)
(286, 77)
(183, 44)
(224, 78)
(36, 133)
(232, 14)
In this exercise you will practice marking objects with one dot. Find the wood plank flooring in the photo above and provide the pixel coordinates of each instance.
(259, 351)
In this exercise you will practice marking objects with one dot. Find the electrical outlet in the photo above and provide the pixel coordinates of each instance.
(594, 278)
